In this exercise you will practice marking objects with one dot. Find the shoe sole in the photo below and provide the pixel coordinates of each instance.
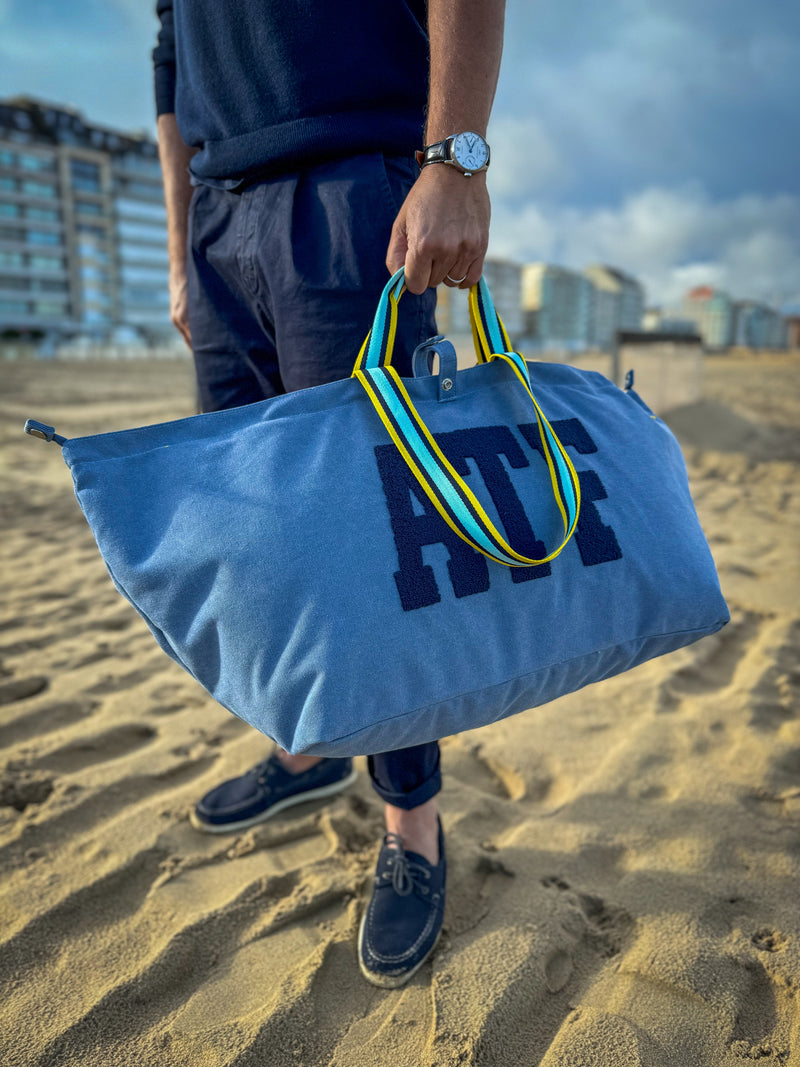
(389, 981)
(274, 809)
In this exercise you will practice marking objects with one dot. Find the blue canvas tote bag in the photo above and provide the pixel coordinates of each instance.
(380, 562)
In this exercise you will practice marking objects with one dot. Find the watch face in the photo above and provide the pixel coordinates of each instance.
(470, 151)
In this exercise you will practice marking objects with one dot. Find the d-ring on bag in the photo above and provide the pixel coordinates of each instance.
(380, 562)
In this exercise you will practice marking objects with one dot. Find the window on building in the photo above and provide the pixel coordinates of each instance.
(133, 162)
(7, 158)
(141, 296)
(50, 285)
(91, 273)
(142, 190)
(46, 263)
(85, 175)
(134, 275)
(145, 254)
(42, 237)
(30, 162)
(87, 207)
(139, 231)
(8, 185)
(13, 307)
(10, 211)
(90, 250)
(11, 233)
(10, 259)
(13, 281)
(42, 214)
(136, 209)
(94, 318)
(92, 231)
(38, 189)
(96, 296)
(49, 309)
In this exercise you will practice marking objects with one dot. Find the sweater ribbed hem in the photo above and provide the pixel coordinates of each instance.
(282, 148)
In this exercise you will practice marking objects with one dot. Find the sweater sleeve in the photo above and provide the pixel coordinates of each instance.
(164, 59)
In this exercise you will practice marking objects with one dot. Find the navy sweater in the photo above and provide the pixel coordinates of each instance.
(262, 86)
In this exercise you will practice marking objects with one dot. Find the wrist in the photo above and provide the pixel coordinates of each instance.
(444, 177)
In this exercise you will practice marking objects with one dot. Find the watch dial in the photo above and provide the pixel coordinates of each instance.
(470, 150)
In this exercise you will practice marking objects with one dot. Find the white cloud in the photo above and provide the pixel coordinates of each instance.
(671, 239)
(528, 160)
(640, 92)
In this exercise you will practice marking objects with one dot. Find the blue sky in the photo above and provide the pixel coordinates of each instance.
(658, 135)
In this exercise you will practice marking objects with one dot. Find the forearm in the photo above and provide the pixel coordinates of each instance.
(442, 231)
(175, 157)
(466, 44)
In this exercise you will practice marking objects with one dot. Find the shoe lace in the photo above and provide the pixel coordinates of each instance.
(406, 874)
(262, 771)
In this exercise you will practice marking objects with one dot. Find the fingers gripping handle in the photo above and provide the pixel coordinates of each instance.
(444, 487)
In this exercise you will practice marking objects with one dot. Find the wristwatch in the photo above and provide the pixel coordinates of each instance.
(467, 152)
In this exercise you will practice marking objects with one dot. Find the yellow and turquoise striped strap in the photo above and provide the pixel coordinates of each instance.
(444, 487)
(488, 332)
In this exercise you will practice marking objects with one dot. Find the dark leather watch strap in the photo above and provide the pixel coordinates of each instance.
(433, 153)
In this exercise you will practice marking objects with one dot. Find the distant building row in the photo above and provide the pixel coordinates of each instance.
(83, 254)
(553, 307)
(723, 322)
(546, 306)
(82, 229)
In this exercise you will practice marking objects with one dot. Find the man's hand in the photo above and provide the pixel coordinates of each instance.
(179, 304)
(442, 229)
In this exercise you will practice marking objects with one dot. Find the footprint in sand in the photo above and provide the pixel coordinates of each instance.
(482, 770)
(18, 790)
(100, 748)
(608, 926)
(775, 696)
(45, 720)
(769, 940)
(22, 688)
(716, 661)
(116, 683)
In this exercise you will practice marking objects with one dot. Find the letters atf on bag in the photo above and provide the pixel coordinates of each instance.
(494, 449)
(379, 562)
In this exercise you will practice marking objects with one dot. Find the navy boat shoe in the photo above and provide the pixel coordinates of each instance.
(267, 789)
(403, 919)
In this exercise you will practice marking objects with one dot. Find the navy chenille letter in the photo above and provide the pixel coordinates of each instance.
(596, 543)
(416, 523)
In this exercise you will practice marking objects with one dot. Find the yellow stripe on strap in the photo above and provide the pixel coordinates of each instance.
(414, 468)
(470, 496)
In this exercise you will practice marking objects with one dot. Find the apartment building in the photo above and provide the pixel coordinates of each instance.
(82, 229)
(757, 325)
(504, 279)
(558, 305)
(619, 303)
(712, 310)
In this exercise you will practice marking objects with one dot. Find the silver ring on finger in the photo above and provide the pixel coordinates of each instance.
(455, 281)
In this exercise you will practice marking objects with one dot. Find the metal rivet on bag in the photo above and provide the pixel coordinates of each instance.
(447, 384)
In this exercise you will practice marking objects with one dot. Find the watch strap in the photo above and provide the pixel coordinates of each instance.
(435, 153)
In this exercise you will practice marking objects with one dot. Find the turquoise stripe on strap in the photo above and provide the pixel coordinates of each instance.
(568, 495)
(444, 486)
(490, 318)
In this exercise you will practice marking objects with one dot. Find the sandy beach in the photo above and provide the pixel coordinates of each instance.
(624, 864)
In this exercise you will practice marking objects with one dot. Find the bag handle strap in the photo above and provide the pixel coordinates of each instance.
(488, 332)
(444, 487)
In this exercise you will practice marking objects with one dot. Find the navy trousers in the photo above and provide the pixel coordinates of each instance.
(284, 276)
